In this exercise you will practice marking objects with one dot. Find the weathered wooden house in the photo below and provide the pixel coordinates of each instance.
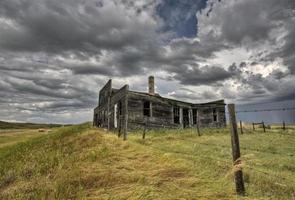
(123, 109)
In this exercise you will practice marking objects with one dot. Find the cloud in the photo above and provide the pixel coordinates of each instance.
(206, 75)
(56, 27)
(265, 31)
(178, 16)
(50, 51)
(56, 54)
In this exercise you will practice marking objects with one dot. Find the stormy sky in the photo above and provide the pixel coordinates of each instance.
(55, 55)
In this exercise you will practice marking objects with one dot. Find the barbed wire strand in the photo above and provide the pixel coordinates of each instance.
(266, 110)
(223, 161)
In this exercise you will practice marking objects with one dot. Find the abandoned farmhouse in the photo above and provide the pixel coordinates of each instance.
(123, 109)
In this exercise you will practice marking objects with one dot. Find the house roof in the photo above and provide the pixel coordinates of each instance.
(217, 102)
(220, 102)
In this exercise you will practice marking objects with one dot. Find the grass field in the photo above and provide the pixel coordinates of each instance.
(16, 125)
(13, 136)
(81, 162)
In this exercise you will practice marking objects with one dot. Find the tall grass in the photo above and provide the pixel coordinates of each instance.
(37, 158)
(81, 162)
(268, 158)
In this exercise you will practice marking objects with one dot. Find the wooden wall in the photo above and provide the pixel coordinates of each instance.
(161, 111)
(119, 98)
(205, 115)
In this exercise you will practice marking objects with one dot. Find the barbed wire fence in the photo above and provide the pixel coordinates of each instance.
(260, 126)
(250, 126)
(237, 158)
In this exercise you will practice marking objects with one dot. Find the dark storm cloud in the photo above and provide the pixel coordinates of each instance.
(49, 47)
(193, 48)
(40, 86)
(132, 61)
(250, 20)
(206, 75)
(60, 106)
(123, 63)
(91, 69)
(290, 95)
(56, 54)
(76, 29)
(245, 26)
(55, 27)
(277, 74)
(28, 87)
(266, 30)
(288, 50)
(53, 84)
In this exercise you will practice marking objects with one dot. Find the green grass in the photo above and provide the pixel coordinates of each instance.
(81, 162)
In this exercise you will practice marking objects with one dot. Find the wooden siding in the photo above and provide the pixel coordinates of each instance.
(160, 113)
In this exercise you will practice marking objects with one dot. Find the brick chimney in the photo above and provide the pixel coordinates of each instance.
(151, 85)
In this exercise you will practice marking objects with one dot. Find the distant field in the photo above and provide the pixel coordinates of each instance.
(12, 133)
(249, 126)
(81, 162)
(13, 136)
(15, 125)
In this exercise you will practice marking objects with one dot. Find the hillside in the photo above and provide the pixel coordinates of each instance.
(81, 162)
(17, 125)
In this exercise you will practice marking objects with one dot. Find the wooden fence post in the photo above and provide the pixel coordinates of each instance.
(126, 113)
(198, 129)
(119, 126)
(238, 174)
(253, 126)
(144, 128)
(143, 134)
(263, 126)
(109, 112)
(284, 125)
(119, 133)
(241, 127)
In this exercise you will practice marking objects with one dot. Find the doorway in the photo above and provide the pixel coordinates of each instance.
(185, 114)
(119, 117)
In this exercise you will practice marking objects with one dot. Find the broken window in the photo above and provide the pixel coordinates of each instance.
(120, 108)
(185, 117)
(146, 108)
(195, 116)
(215, 119)
(104, 116)
(176, 115)
(95, 119)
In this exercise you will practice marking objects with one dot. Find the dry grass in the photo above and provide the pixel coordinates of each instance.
(11, 136)
(81, 162)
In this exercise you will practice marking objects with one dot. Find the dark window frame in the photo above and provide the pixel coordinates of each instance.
(120, 112)
(176, 115)
(146, 108)
(215, 115)
(195, 115)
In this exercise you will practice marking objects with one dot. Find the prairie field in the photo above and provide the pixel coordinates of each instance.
(14, 136)
(82, 162)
